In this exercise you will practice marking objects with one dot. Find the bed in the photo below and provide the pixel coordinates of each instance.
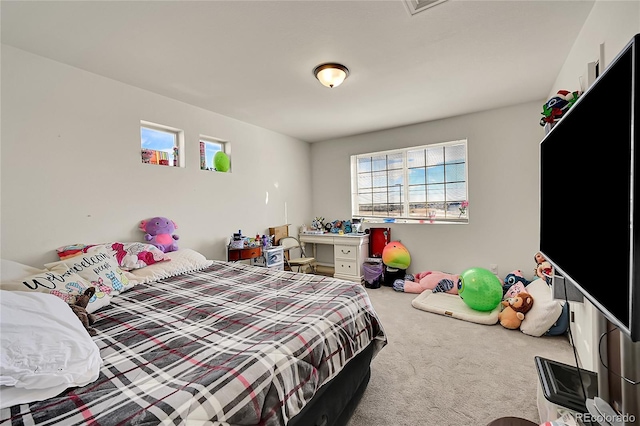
(225, 344)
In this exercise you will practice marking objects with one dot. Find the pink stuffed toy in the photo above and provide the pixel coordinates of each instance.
(159, 232)
(514, 283)
(431, 280)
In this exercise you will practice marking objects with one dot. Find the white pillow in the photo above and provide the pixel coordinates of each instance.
(545, 310)
(10, 270)
(99, 268)
(182, 261)
(44, 346)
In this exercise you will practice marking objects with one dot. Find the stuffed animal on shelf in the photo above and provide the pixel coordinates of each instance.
(160, 233)
(514, 310)
(543, 268)
(555, 108)
(80, 309)
(435, 281)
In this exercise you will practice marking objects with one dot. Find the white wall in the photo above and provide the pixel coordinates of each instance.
(611, 23)
(503, 189)
(71, 169)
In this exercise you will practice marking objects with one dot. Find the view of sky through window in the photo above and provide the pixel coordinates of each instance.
(411, 184)
(160, 141)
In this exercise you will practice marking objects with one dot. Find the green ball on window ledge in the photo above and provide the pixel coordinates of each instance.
(221, 162)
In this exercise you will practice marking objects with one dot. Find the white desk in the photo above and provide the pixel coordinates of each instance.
(349, 252)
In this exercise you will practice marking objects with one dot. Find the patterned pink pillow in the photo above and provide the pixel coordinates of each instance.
(514, 290)
(129, 256)
(136, 255)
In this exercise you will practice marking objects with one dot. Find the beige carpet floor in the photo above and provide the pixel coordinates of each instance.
(438, 370)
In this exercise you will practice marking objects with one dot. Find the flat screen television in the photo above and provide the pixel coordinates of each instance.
(588, 185)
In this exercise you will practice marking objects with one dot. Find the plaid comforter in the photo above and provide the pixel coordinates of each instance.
(231, 344)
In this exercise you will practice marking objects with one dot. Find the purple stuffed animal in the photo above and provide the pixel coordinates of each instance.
(159, 232)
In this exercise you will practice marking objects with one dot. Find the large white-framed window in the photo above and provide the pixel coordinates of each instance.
(421, 184)
(160, 144)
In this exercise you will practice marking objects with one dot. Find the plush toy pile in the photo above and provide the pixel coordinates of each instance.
(160, 233)
(512, 299)
(514, 283)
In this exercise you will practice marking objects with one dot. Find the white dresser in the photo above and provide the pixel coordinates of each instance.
(349, 252)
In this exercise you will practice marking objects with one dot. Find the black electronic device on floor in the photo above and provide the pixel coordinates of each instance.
(561, 384)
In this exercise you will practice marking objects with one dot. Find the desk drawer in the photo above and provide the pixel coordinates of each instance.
(245, 253)
(345, 267)
(345, 252)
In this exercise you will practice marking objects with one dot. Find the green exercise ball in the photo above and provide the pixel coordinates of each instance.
(221, 162)
(480, 289)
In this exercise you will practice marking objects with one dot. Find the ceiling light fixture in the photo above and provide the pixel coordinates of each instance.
(331, 74)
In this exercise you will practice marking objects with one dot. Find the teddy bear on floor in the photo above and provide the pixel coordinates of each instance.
(80, 309)
(514, 310)
(160, 233)
(429, 280)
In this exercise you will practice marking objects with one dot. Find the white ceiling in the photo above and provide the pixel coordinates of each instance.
(253, 60)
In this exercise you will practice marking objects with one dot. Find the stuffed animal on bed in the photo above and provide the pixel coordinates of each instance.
(514, 310)
(80, 309)
(160, 233)
(429, 280)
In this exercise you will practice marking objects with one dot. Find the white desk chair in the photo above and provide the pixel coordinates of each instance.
(302, 262)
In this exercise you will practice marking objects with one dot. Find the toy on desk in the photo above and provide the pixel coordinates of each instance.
(160, 233)
(318, 223)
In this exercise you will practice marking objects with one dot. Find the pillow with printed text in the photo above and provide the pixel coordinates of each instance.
(98, 267)
(61, 281)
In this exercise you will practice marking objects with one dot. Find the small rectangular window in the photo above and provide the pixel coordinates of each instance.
(423, 184)
(209, 157)
(160, 144)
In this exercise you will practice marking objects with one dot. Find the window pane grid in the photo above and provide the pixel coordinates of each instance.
(434, 189)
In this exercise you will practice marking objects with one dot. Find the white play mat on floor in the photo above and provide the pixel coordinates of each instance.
(452, 305)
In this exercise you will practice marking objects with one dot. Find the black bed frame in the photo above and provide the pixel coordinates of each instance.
(336, 401)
